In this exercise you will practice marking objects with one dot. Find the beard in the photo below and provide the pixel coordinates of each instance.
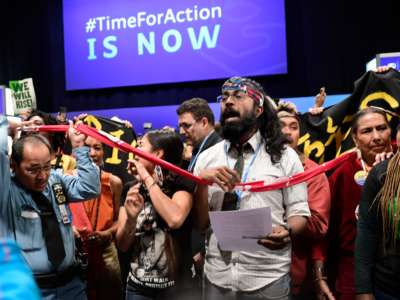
(289, 139)
(236, 129)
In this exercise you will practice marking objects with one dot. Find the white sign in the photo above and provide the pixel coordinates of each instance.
(239, 230)
(23, 95)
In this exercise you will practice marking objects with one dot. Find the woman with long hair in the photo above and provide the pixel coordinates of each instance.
(153, 222)
(371, 134)
(377, 253)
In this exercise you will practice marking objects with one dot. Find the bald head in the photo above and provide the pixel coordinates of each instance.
(31, 162)
(33, 140)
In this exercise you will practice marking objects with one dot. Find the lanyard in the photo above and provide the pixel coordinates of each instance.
(193, 161)
(246, 172)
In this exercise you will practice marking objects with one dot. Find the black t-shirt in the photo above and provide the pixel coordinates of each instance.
(161, 255)
(375, 267)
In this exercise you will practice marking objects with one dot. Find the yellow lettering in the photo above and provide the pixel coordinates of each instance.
(114, 160)
(339, 139)
(131, 155)
(379, 95)
(303, 139)
(309, 147)
(317, 145)
(92, 122)
(330, 129)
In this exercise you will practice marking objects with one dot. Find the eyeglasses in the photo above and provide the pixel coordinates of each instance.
(37, 170)
(185, 126)
(239, 93)
(238, 96)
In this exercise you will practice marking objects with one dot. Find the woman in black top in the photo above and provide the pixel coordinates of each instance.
(153, 223)
(377, 255)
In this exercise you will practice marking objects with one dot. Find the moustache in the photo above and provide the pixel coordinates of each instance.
(289, 138)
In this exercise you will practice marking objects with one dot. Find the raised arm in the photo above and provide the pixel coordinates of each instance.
(128, 214)
(173, 210)
(5, 177)
(86, 184)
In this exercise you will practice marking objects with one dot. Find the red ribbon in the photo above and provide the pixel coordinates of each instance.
(303, 176)
(256, 186)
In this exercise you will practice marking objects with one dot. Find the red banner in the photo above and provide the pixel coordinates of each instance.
(257, 186)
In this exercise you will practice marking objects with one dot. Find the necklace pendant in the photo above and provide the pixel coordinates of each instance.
(360, 177)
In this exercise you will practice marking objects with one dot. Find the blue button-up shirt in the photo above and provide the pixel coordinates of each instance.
(20, 217)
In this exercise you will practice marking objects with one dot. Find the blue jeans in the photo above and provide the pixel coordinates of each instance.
(180, 292)
(379, 295)
(75, 290)
(138, 293)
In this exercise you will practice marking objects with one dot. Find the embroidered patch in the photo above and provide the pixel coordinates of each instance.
(59, 193)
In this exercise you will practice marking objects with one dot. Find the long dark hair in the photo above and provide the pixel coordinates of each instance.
(271, 131)
(57, 140)
(364, 112)
(389, 193)
(269, 125)
(388, 205)
(170, 142)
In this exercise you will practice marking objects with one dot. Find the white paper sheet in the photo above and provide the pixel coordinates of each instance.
(239, 230)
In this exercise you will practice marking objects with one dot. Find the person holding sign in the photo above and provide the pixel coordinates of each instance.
(34, 209)
(254, 148)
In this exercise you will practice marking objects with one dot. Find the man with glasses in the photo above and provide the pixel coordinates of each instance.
(35, 213)
(196, 124)
(254, 149)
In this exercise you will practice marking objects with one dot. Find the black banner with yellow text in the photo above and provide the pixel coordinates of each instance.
(115, 160)
(328, 135)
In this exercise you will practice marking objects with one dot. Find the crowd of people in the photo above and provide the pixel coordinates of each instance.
(78, 227)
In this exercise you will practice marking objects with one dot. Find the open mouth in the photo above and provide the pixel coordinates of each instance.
(230, 115)
(233, 118)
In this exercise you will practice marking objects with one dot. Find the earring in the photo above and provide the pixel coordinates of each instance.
(159, 174)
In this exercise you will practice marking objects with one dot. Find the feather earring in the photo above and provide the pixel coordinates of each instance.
(159, 174)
